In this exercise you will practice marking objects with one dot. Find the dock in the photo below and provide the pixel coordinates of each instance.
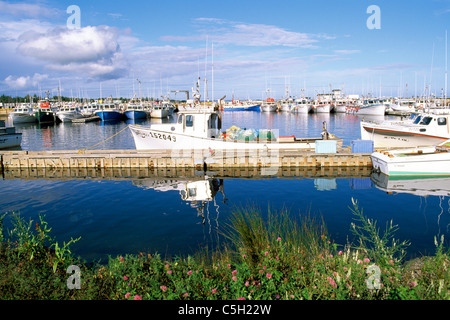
(181, 159)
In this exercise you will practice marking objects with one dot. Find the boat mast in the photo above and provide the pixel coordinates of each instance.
(445, 84)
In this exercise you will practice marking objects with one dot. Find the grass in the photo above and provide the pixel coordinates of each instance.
(276, 257)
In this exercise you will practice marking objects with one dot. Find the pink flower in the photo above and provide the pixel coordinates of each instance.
(189, 272)
(163, 288)
(413, 284)
(121, 259)
(125, 278)
(366, 260)
(185, 294)
(247, 284)
(169, 271)
(279, 239)
(234, 278)
(340, 253)
(127, 295)
(234, 272)
(214, 291)
(269, 275)
(137, 297)
(266, 253)
(331, 281)
(241, 298)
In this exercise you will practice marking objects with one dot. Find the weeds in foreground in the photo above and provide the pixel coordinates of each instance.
(273, 258)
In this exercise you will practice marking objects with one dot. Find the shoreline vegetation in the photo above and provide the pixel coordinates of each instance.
(268, 258)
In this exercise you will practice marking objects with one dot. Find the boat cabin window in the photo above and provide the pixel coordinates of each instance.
(189, 121)
(180, 119)
(417, 119)
(442, 121)
(426, 120)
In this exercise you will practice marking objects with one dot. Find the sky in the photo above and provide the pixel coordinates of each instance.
(239, 48)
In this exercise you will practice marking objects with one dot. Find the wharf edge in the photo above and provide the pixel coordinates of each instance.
(198, 159)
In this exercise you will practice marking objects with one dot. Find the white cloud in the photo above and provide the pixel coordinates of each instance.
(28, 10)
(90, 50)
(24, 81)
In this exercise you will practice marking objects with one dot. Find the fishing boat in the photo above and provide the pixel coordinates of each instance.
(426, 129)
(302, 106)
(22, 114)
(160, 111)
(403, 105)
(136, 111)
(68, 113)
(44, 113)
(237, 105)
(419, 161)
(9, 138)
(269, 105)
(201, 129)
(322, 107)
(109, 111)
(372, 107)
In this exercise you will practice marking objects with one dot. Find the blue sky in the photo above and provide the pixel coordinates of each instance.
(254, 45)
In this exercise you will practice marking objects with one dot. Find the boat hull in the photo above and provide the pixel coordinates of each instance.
(391, 137)
(374, 110)
(322, 108)
(10, 140)
(269, 107)
(242, 108)
(45, 116)
(22, 118)
(109, 115)
(135, 114)
(426, 164)
(148, 139)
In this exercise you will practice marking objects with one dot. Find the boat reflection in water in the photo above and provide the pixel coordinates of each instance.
(198, 192)
(417, 185)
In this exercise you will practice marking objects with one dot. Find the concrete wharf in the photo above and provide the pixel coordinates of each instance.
(181, 159)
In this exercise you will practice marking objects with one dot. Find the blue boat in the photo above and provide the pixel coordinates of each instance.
(109, 111)
(134, 112)
(237, 105)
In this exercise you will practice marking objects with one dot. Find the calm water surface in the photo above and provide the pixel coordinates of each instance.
(126, 212)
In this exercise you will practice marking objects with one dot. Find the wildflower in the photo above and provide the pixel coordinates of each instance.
(163, 288)
(244, 256)
(331, 281)
(121, 259)
(366, 260)
(269, 276)
(169, 271)
(185, 294)
(266, 253)
(189, 272)
(413, 284)
(167, 266)
(340, 253)
(234, 278)
(279, 239)
(241, 298)
(214, 291)
(125, 278)
(277, 297)
(137, 297)
(234, 272)
(229, 266)
(247, 284)
(127, 295)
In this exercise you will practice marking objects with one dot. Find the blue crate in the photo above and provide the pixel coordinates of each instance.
(361, 146)
(326, 146)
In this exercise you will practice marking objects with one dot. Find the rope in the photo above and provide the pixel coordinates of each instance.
(83, 150)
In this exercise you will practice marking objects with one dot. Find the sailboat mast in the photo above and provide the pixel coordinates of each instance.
(445, 84)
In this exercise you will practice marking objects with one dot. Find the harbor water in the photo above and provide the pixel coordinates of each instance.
(126, 214)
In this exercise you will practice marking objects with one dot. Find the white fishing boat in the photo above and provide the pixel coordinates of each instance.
(322, 107)
(372, 107)
(302, 106)
(9, 138)
(160, 111)
(68, 113)
(201, 129)
(22, 114)
(404, 105)
(269, 105)
(419, 161)
(426, 129)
